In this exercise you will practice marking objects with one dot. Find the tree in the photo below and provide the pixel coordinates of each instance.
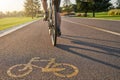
(17, 13)
(66, 3)
(74, 7)
(8, 14)
(68, 9)
(67, 6)
(37, 7)
(32, 7)
(78, 4)
(83, 5)
(118, 4)
(28, 8)
(100, 5)
(1, 14)
(93, 5)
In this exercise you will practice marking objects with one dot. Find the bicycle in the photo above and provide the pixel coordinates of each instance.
(56, 68)
(53, 20)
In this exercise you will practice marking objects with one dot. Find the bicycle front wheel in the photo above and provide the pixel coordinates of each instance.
(54, 26)
(19, 70)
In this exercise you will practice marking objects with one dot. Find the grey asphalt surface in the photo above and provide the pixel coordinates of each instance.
(95, 53)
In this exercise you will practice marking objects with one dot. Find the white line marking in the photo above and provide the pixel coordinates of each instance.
(100, 29)
(15, 28)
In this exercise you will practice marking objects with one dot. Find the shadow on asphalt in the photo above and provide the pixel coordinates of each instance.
(107, 50)
(68, 36)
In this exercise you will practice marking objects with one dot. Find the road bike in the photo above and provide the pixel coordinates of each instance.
(58, 69)
(53, 20)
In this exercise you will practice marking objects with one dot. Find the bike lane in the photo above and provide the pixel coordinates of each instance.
(92, 59)
(19, 47)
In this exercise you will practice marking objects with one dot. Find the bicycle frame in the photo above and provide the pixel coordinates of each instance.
(53, 21)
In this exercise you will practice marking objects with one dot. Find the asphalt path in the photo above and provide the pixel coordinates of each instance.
(88, 49)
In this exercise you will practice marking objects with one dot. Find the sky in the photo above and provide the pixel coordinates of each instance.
(11, 5)
(17, 5)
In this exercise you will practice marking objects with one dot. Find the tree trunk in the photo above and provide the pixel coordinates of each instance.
(86, 10)
(94, 10)
(93, 13)
(86, 13)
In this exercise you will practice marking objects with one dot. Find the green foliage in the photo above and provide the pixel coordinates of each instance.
(93, 5)
(32, 7)
(81, 14)
(12, 14)
(68, 9)
(78, 14)
(96, 5)
(78, 5)
(101, 5)
(102, 15)
(2, 14)
(118, 4)
(74, 7)
(66, 3)
(114, 12)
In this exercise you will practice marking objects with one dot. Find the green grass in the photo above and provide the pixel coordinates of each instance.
(104, 15)
(6, 23)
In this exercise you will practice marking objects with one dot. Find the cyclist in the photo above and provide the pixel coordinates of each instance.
(45, 6)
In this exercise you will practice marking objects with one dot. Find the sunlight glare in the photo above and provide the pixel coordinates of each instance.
(11, 5)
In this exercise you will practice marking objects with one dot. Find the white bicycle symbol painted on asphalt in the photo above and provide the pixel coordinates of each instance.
(57, 69)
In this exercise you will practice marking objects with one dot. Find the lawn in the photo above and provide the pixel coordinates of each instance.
(6, 23)
(104, 15)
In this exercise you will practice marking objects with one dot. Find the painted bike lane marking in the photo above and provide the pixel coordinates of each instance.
(52, 66)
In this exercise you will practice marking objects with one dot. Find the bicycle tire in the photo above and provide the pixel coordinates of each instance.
(54, 25)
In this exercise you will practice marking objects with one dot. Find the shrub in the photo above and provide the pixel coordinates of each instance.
(114, 12)
(78, 14)
(64, 13)
(81, 15)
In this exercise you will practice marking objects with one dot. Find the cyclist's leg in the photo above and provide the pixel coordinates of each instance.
(59, 17)
(58, 11)
(45, 6)
(59, 24)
